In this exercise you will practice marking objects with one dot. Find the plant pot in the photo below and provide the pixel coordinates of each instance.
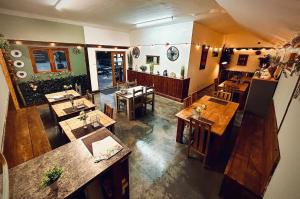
(54, 186)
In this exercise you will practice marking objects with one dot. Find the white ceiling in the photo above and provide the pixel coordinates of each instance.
(274, 20)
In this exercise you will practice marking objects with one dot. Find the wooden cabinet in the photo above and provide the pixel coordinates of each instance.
(176, 89)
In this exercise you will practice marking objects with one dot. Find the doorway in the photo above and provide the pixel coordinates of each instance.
(110, 68)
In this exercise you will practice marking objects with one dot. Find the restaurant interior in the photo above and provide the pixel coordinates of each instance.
(150, 99)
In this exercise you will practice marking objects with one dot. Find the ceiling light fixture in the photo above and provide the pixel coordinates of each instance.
(154, 22)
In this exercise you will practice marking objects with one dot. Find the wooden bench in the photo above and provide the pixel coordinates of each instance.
(25, 136)
(254, 158)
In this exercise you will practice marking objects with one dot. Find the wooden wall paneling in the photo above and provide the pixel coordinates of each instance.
(9, 82)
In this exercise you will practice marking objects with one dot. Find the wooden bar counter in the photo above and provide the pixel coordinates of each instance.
(173, 88)
(78, 167)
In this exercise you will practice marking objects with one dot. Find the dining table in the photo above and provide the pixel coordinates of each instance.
(127, 94)
(65, 110)
(61, 96)
(75, 128)
(218, 112)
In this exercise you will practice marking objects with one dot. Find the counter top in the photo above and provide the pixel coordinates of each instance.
(75, 160)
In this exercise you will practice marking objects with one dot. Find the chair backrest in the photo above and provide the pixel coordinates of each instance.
(132, 84)
(90, 96)
(216, 83)
(194, 96)
(150, 90)
(199, 136)
(138, 96)
(223, 95)
(109, 111)
(78, 88)
(187, 102)
(122, 85)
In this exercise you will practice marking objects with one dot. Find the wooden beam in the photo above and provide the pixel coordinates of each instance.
(9, 82)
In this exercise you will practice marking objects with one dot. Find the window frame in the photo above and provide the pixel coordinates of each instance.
(50, 52)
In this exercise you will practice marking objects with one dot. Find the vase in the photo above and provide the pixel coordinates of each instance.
(84, 124)
(54, 186)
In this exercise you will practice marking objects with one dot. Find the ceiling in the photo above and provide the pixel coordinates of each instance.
(274, 20)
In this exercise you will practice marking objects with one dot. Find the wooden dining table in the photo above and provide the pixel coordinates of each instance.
(64, 110)
(73, 127)
(219, 113)
(128, 97)
(61, 96)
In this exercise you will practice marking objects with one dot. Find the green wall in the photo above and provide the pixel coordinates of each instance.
(77, 62)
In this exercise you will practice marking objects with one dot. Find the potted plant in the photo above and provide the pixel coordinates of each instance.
(51, 176)
(83, 117)
(151, 67)
(143, 68)
(182, 72)
(130, 60)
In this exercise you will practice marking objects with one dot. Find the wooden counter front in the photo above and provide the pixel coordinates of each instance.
(173, 88)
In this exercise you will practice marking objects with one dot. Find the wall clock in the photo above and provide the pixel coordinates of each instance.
(173, 53)
(19, 64)
(136, 52)
(16, 53)
(21, 74)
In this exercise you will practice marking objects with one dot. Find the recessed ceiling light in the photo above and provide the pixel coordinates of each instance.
(18, 42)
(52, 44)
(154, 22)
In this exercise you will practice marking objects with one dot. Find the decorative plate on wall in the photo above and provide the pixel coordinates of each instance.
(21, 74)
(136, 52)
(16, 53)
(173, 53)
(19, 64)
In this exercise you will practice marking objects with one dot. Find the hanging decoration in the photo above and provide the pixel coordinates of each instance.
(21, 74)
(19, 64)
(16, 53)
(136, 52)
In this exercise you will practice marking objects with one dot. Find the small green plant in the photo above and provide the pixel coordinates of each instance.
(130, 60)
(151, 67)
(51, 176)
(182, 72)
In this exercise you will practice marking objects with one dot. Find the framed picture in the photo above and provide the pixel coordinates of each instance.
(152, 59)
(203, 59)
(242, 60)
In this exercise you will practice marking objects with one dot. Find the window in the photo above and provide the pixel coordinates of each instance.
(49, 59)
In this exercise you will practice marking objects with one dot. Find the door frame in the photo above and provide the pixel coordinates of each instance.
(113, 66)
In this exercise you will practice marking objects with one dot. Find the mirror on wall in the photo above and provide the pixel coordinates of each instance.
(152, 59)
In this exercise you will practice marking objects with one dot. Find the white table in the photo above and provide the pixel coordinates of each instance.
(128, 97)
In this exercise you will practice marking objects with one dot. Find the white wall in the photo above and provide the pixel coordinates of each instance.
(176, 35)
(103, 36)
(203, 78)
(3, 105)
(93, 64)
(286, 179)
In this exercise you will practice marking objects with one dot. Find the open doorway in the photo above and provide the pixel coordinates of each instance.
(110, 69)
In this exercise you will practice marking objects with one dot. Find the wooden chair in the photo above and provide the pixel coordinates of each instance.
(150, 100)
(138, 101)
(122, 85)
(109, 111)
(132, 84)
(78, 88)
(199, 138)
(90, 96)
(120, 100)
(194, 96)
(216, 84)
(187, 102)
(223, 95)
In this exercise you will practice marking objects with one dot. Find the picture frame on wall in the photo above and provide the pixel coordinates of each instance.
(152, 59)
(203, 58)
(242, 60)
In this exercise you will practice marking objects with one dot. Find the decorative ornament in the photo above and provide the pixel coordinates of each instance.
(76, 51)
(21, 74)
(16, 53)
(173, 53)
(19, 64)
(136, 52)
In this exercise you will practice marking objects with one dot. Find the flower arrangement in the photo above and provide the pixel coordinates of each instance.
(151, 67)
(51, 176)
(200, 109)
(182, 72)
(83, 117)
(130, 60)
(143, 68)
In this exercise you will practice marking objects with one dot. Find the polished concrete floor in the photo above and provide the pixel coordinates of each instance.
(159, 167)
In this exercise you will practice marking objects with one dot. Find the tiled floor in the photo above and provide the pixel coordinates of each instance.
(159, 167)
